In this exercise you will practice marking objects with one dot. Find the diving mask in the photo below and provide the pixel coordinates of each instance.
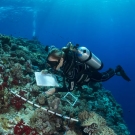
(52, 64)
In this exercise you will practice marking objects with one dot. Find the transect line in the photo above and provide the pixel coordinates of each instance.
(47, 110)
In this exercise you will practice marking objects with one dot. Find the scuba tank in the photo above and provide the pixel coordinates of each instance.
(82, 54)
(86, 56)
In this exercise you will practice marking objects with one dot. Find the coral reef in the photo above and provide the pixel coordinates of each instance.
(94, 124)
(18, 102)
(7, 124)
(19, 59)
(54, 103)
(41, 99)
(42, 122)
(20, 129)
(4, 101)
(70, 132)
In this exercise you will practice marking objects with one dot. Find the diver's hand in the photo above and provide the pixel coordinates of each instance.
(50, 91)
(44, 71)
(69, 44)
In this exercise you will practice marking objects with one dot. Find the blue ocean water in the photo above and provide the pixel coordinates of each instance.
(106, 27)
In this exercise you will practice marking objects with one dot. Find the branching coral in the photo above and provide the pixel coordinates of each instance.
(37, 117)
(53, 103)
(41, 121)
(16, 71)
(41, 99)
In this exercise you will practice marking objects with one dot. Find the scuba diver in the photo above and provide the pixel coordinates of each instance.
(79, 67)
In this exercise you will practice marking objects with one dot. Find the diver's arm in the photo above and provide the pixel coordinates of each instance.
(63, 89)
(45, 71)
(66, 89)
(70, 88)
(51, 91)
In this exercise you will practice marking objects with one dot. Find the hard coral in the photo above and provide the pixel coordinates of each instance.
(70, 132)
(21, 129)
(94, 124)
(94, 118)
(1, 67)
(18, 102)
(49, 128)
(107, 131)
(54, 103)
(44, 123)
(92, 129)
(83, 115)
(41, 99)
(37, 118)
(5, 40)
(28, 66)
(5, 124)
(4, 101)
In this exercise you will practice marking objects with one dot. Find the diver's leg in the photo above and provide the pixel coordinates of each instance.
(101, 77)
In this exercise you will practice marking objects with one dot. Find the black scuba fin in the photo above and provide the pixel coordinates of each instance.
(119, 71)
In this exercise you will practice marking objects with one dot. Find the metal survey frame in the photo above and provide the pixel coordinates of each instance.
(69, 93)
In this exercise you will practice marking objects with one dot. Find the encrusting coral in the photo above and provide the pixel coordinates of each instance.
(93, 118)
(107, 131)
(94, 124)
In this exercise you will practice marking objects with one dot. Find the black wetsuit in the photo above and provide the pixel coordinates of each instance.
(77, 73)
